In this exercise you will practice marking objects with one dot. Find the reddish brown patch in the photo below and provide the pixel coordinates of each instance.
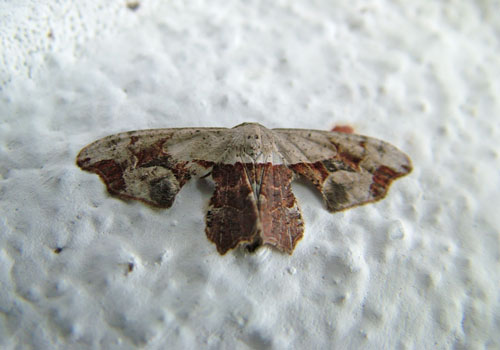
(146, 155)
(182, 173)
(382, 178)
(318, 172)
(345, 156)
(133, 139)
(254, 204)
(204, 163)
(282, 224)
(346, 129)
(314, 172)
(156, 156)
(232, 217)
(110, 171)
(350, 159)
(180, 170)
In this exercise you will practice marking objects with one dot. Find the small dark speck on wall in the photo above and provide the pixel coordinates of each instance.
(133, 5)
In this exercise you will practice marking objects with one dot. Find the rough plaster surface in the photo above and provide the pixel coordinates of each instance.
(82, 270)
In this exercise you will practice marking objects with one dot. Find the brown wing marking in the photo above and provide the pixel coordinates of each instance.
(253, 204)
(282, 224)
(232, 217)
(140, 171)
(347, 180)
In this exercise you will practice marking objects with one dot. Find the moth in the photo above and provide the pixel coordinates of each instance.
(252, 168)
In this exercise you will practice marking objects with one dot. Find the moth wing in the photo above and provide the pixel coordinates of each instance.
(348, 169)
(152, 165)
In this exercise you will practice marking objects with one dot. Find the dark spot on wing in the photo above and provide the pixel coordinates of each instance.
(335, 195)
(163, 191)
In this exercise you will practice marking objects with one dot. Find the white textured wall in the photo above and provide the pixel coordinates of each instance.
(418, 270)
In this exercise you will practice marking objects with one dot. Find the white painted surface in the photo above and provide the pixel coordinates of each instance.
(418, 270)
